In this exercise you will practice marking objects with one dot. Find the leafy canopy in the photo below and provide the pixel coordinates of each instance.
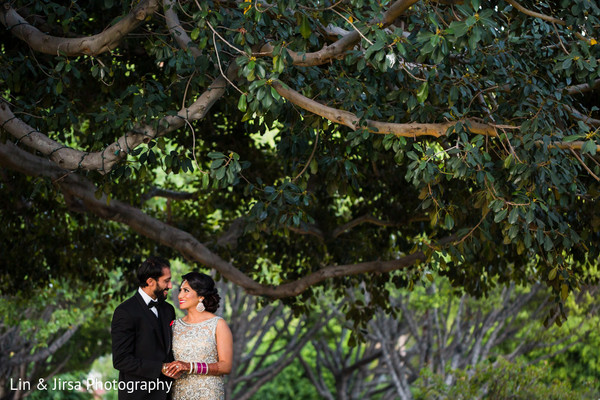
(295, 144)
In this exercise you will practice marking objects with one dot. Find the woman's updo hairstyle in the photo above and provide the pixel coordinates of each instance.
(204, 286)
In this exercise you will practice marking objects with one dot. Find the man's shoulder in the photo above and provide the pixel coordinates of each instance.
(168, 306)
(127, 304)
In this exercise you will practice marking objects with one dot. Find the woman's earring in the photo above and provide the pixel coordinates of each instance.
(200, 306)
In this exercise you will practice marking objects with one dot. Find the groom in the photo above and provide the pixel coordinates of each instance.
(141, 335)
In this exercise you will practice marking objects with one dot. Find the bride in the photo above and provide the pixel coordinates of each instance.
(202, 342)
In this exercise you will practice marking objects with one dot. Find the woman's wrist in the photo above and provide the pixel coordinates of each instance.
(202, 368)
(213, 369)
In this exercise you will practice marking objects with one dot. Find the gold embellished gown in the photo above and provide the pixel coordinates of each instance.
(196, 343)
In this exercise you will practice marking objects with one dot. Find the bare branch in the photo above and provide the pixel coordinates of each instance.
(168, 194)
(361, 220)
(583, 88)
(352, 121)
(103, 161)
(47, 351)
(79, 187)
(584, 118)
(413, 130)
(346, 42)
(536, 14)
(89, 45)
(180, 35)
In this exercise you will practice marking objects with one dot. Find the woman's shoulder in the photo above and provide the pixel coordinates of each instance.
(222, 324)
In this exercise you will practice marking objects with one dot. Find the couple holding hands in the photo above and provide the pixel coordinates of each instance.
(150, 347)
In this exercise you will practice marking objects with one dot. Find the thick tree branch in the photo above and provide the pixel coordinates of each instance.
(180, 35)
(352, 121)
(584, 118)
(308, 230)
(169, 194)
(536, 14)
(346, 42)
(583, 88)
(412, 130)
(89, 45)
(104, 160)
(77, 186)
(544, 17)
(48, 351)
(361, 220)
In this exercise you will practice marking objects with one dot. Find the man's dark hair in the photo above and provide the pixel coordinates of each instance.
(151, 268)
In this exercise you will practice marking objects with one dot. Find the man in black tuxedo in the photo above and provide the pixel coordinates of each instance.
(141, 335)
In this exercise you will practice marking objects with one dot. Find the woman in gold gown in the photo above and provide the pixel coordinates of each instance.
(202, 342)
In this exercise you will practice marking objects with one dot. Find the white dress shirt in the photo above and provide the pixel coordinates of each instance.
(147, 300)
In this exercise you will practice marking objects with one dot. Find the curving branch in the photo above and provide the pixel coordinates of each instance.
(81, 188)
(45, 353)
(175, 28)
(315, 231)
(104, 160)
(308, 230)
(412, 130)
(352, 121)
(169, 194)
(584, 118)
(89, 45)
(583, 88)
(536, 14)
(361, 220)
(346, 42)
(544, 17)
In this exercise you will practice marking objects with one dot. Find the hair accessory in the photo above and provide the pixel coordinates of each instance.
(200, 307)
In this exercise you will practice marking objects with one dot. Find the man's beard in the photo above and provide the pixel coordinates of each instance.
(160, 294)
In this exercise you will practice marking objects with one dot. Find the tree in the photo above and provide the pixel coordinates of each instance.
(43, 333)
(266, 340)
(288, 145)
(440, 343)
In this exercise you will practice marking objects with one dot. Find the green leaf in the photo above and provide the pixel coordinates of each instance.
(305, 29)
(589, 147)
(314, 166)
(423, 92)
(217, 163)
(573, 138)
(278, 64)
(508, 161)
(216, 154)
(243, 103)
(449, 221)
(513, 216)
(501, 215)
(564, 291)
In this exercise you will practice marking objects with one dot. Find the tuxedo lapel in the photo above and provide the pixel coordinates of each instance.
(151, 317)
(165, 325)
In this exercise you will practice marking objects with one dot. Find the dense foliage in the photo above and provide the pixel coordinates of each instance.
(293, 144)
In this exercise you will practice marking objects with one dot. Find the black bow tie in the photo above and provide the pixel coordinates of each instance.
(153, 304)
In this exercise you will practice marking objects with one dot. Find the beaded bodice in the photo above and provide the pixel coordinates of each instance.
(196, 343)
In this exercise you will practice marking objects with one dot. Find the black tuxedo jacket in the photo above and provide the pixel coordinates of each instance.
(141, 343)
